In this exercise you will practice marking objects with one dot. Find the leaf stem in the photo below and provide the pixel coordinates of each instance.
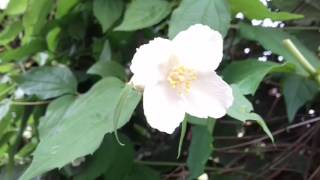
(21, 103)
(302, 60)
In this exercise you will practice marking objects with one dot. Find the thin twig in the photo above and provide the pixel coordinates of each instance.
(277, 132)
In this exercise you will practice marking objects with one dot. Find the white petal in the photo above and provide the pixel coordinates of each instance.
(162, 107)
(147, 61)
(209, 96)
(199, 47)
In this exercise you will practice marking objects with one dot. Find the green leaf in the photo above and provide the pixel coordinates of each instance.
(141, 14)
(272, 39)
(23, 52)
(248, 74)
(82, 128)
(106, 52)
(10, 32)
(54, 114)
(199, 151)
(53, 38)
(48, 82)
(142, 173)
(122, 165)
(182, 134)
(108, 68)
(242, 108)
(16, 7)
(306, 7)
(65, 6)
(297, 91)
(4, 108)
(107, 12)
(105, 158)
(214, 13)
(35, 17)
(125, 95)
(254, 9)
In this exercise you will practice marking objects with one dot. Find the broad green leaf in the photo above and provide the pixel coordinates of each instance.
(122, 164)
(108, 68)
(107, 12)
(64, 7)
(139, 172)
(214, 13)
(195, 120)
(107, 157)
(248, 74)
(6, 68)
(141, 14)
(199, 151)
(48, 82)
(242, 108)
(53, 38)
(306, 7)
(4, 108)
(272, 39)
(297, 91)
(16, 7)
(54, 114)
(106, 52)
(254, 9)
(10, 32)
(82, 128)
(23, 52)
(35, 17)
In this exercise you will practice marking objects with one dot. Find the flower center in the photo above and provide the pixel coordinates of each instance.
(180, 78)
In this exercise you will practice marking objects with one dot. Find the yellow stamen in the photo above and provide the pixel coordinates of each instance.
(181, 78)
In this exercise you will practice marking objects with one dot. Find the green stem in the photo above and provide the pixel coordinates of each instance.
(21, 103)
(302, 60)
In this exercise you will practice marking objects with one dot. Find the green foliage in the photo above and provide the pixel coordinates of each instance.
(48, 82)
(107, 12)
(248, 74)
(10, 33)
(297, 91)
(141, 14)
(4, 108)
(101, 162)
(199, 151)
(87, 128)
(242, 110)
(16, 7)
(65, 90)
(212, 13)
(254, 9)
(271, 39)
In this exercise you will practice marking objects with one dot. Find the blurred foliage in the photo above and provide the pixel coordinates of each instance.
(65, 107)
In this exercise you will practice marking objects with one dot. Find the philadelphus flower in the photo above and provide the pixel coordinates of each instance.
(179, 77)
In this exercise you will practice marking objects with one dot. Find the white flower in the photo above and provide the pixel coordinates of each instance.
(204, 176)
(4, 4)
(179, 77)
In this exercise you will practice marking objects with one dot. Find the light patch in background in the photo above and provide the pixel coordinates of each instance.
(280, 58)
(267, 23)
(262, 59)
(246, 50)
(267, 53)
(265, 2)
(239, 15)
(4, 4)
